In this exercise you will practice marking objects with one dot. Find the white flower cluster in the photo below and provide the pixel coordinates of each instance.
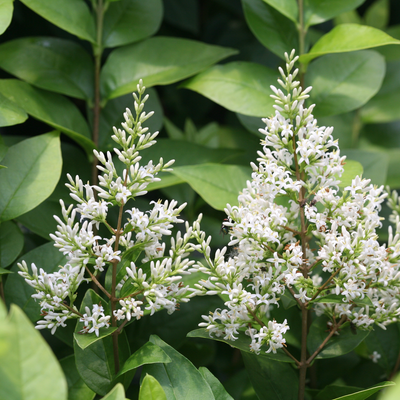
(295, 233)
(140, 235)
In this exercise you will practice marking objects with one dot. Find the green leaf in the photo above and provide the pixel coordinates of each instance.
(266, 377)
(317, 11)
(391, 52)
(149, 353)
(365, 393)
(50, 108)
(216, 386)
(384, 106)
(117, 393)
(54, 64)
(344, 82)
(217, 184)
(349, 392)
(85, 340)
(73, 16)
(288, 8)
(150, 389)
(77, 389)
(11, 243)
(33, 170)
(4, 271)
(392, 393)
(348, 37)
(337, 345)
(351, 170)
(242, 343)
(276, 32)
(129, 21)
(374, 164)
(179, 379)
(17, 291)
(28, 367)
(242, 87)
(96, 362)
(6, 12)
(158, 61)
(10, 113)
(377, 14)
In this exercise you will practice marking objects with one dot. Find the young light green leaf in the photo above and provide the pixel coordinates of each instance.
(288, 8)
(344, 82)
(128, 21)
(10, 113)
(276, 32)
(392, 393)
(158, 61)
(54, 64)
(50, 108)
(73, 16)
(242, 87)
(11, 243)
(6, 12)
(266, 377)
(365, 393)
(316, 11)
(179, 379)
(150, 389)
(33, 170)
(351, 170)
(149, 353)
(216, 386)
(77, 389)
(25, 356)
(348, 37)
(217, 184)
(384, 106)
(117, 393)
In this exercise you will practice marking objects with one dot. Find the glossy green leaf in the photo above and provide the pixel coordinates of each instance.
(365, 393)
(17, 291)
(374, 164)
(217, 184)
(117, 393)
(238, 86)
(149, 353)
(77, 389)
(392, 393)
(73, 16)
(50, 108)
(276, 32)
(128, 21)
(11, 243)
(317, 11)
(158, 61)
(54, 64)
(242, 343)
(6, 12)
(10, 113)
(351, 170)
(377, 14)
(344, 82)
(337, 345)
(150, 389)
(384, 106)
(179, 379)
(216, 386)
(85, 340)
(96, 362)
(28, 367)
(33, 170)
(349, 392)
(266, 377)
(288, 8)
(348, 37)
(5, 271)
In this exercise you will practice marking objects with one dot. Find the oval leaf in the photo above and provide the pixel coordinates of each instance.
(150, 389)
(6, 12)
(10, 113)
(348, 37)
(344, 82)
(276, 32)
(158, 61)
(241, 87)
(288, 8)
(217, 184)
(73, 16)
(54, 64)
(33, 170)
(216, 386)
(11, 243)
(128, 21)
(365, 393)
(50, 108)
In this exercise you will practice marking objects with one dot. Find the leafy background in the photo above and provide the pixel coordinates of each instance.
(208, 102)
